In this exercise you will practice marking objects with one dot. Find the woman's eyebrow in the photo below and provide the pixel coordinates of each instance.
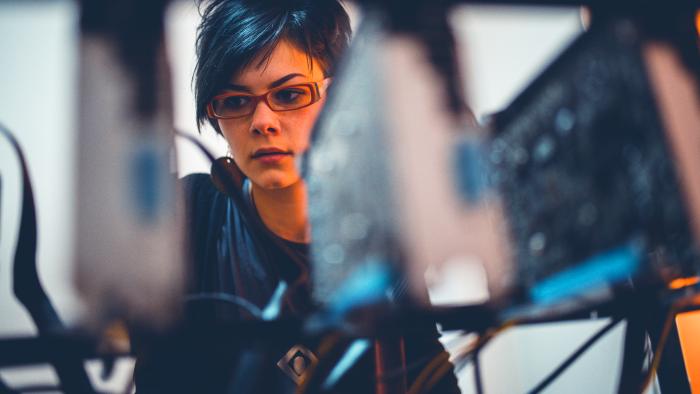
(241, 88)
(284, 79)
(279, 82)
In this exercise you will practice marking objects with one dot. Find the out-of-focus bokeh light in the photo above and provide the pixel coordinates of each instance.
(585, 14)
(683, 282)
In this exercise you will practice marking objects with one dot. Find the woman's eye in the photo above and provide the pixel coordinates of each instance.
(288, 96)
(235, 102)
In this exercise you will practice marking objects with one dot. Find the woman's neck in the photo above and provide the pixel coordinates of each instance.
(284, 211)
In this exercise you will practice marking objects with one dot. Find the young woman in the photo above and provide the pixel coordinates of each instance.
(263, 70)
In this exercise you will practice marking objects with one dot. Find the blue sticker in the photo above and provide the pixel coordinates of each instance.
(600, 270)
(470, 170)
(367, 284)
(146, 174)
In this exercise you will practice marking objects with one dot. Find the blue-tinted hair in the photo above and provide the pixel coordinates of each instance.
(235, 32)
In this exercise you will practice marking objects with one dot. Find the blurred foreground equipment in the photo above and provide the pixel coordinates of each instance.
(596, 166)
(593, 172)
(129, 238)
(128, 234)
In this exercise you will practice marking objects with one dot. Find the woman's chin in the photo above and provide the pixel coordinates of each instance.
(275, 181)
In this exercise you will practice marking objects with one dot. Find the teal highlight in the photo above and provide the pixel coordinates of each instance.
(609, 267)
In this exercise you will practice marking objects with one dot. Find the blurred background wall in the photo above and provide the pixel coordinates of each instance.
(502, 49)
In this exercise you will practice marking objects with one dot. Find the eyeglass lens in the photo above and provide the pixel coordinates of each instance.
(283, 99)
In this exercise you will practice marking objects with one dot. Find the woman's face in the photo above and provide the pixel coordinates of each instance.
(266, 144)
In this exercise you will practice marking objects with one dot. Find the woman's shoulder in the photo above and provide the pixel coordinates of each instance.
(204, 205)
(197, 184)
(200, 194)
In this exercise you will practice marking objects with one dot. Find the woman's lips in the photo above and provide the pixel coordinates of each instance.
(270, 156)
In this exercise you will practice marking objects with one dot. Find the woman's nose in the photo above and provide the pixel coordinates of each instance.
(265, 120)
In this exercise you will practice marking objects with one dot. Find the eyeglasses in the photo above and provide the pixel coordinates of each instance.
(284, 98)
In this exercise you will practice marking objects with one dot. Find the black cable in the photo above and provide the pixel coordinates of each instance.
(573, 357)
(27, 286)
(633, 353)
(477, 374)
(414, 365)
(251, 308)
(668, 330)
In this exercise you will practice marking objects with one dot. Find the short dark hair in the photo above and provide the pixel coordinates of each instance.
(235, 32)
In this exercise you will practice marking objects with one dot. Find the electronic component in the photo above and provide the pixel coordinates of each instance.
(587, 175)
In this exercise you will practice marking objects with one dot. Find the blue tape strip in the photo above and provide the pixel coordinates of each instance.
(146, 183)
(366, 285)
(613, 266)
(356, 350)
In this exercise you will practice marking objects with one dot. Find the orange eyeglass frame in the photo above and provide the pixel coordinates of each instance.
(313, 88)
